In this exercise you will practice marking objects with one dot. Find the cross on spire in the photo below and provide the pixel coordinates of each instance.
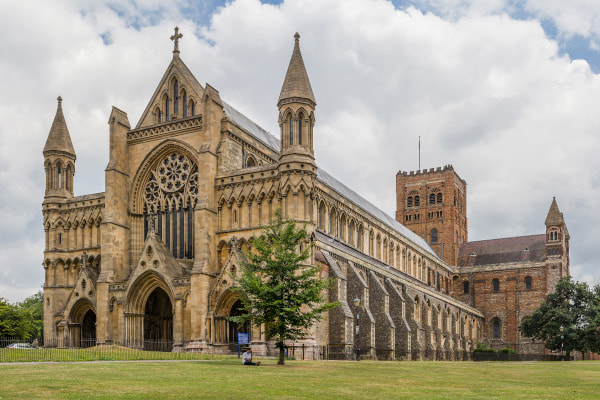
(175, 38)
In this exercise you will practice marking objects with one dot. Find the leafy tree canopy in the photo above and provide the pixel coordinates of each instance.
(278, 288)
(565, 320)
(23, 320)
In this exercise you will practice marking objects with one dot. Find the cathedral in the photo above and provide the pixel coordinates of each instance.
(151, 260)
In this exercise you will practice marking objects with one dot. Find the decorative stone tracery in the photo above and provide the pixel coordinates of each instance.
(170, 196)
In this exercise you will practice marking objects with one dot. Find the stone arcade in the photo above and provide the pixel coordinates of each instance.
(149, 261)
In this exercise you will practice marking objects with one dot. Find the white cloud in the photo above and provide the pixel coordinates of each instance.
(487, 93)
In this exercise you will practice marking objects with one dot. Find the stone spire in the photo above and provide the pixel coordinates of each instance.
(296, 84)
(555, 217)
(59, 140)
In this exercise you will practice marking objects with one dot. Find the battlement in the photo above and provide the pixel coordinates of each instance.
(426, 171)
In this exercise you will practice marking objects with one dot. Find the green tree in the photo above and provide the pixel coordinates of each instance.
(277, 287)
(593, 333)
(13, 322)
(566, 313)
(33, 309)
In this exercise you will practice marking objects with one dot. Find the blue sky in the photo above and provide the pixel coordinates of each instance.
(506, 91)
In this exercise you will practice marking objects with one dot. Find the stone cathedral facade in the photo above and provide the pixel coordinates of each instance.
(151, 260)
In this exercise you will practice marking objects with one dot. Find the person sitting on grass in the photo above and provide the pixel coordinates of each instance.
(247, 357)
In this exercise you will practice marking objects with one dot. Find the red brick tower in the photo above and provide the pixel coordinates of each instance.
(433, 204)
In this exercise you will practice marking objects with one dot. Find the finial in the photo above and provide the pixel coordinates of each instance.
(59, 100)
(175, 38)
(297, 36)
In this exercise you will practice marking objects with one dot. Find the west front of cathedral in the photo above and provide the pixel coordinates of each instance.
(150, 262)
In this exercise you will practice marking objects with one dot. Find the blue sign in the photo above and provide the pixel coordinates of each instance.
(243, 338)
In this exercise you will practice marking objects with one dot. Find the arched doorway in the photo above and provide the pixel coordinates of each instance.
(88, 329)
(236, 309)
(158, 321)
(82, 324)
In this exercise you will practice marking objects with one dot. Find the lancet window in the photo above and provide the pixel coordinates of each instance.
(169, 198)
(176, 97)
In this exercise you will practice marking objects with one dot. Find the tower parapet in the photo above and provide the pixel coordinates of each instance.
(433, 204)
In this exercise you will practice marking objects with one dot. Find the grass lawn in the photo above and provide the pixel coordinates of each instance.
(223, 379)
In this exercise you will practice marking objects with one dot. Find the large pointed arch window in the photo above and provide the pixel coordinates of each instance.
(169, 199)
(291, 130)
(185, 104)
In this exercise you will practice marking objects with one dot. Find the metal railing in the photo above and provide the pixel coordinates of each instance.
(36, 350)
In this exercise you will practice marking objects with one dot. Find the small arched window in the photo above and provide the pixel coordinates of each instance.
(496, 328)
(158, 115)
(528, 282)
(333, 222)
(59, 170)
(322, 216)
(409, 201)
(466, 287)
(496, 285)
(432, 198)
(167, 104)
(250, 162)
(417, 201)
(439, 198)
(434, 235)
(185, 105)
(176, 97)
(300, 118)
(291, 131)
(193, 108)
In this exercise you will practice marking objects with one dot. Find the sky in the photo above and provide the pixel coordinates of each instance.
(506, 91)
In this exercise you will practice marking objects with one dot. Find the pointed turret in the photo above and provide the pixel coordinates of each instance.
(555, 217)
(59, 140)
(296, 111)
(557, 245)
(59, 158)
(296, 85)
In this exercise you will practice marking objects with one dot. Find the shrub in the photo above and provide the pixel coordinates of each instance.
(483, 348)
(507, 350)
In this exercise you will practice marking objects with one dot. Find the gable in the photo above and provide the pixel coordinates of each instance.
(188, 88)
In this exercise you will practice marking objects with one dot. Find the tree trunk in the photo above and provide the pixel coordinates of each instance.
(281, 360)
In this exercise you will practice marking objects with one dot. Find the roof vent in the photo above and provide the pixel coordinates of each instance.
(472, 254)
(526, 248)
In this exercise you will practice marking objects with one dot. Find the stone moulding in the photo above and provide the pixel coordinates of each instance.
(177, 127)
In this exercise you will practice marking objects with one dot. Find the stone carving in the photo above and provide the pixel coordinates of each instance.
(174, 182)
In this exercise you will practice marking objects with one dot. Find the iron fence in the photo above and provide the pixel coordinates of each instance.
(20, 350)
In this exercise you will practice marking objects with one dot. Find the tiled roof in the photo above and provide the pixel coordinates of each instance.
(249, 126)
(328, 180)
(363, 203)
(506, 250)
